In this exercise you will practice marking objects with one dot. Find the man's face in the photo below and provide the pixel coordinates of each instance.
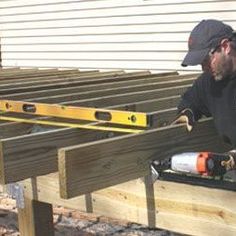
(218, 63)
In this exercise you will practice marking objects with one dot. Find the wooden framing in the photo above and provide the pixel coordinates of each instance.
(178, 207)
(87, 165)
(92, 166)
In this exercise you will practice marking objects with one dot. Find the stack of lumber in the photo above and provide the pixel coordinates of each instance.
(108, 172)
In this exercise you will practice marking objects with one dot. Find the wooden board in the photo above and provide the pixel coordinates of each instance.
(104, 161)
(93, 87)
(83, 79)
(113, 91)
(203, 211)
(132, 97)
(92, 166)
(35, 218)
(55, 83)
(35, 154)
(37, 75)
(31, 155)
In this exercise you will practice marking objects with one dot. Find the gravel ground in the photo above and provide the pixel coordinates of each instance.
(74, 223)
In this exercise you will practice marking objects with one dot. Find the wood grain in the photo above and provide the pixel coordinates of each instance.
(183, 208)
(92, 166)
(36, 154)
(141, 78)
(36, 218)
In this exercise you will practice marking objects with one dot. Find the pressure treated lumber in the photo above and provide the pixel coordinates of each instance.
(92, 166)
(17, 71)
(131, 97)
(57, 82)
(11, 129)
(113, 91)
(101, 77)
(28, 81)
(81, 76)
(45, 77)
(109, 98)
(12, 169)
(36, 218)
(183, 208)
(79, 88)
(135, 201)
(93, 87)
(35, 154)
(195, 210)
(34, 74)
(150, 105)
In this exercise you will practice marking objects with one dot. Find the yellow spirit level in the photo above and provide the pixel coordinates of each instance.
(73, 112)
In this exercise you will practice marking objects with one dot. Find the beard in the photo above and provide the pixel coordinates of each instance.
(223, 69)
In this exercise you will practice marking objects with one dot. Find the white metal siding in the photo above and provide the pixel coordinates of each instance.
(106, 34)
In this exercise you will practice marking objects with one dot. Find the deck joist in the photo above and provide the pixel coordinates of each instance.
(108, 172)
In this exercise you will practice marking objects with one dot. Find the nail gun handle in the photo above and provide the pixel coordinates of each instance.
(219, 164)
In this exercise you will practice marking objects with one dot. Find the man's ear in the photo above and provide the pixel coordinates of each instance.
(225, 45)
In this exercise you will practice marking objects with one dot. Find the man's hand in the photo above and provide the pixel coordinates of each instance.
(186, 116)
(231, 163)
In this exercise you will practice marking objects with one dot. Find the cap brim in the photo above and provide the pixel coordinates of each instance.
(194, 58)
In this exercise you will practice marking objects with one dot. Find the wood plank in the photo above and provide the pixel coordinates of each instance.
(150, 105)
(43, 76)
(10, 129)
(131, 97)
(80, 76)
(204, 211)
(83, 76)
(31, 155)
(58, 76)
(113, 91)
(129, 77)
(10, 68)
(36, 218)
(88, 167)
(32, 73)
(48, 186)
(20, 128)
(175, 203)
(10, 162)
(15, 71)
(92, 87)
(35, 154)
(71, 81)
(59, 79)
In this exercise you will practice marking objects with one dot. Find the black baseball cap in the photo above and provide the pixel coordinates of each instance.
(205, 36)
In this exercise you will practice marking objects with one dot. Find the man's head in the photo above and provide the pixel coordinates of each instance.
(210, 45)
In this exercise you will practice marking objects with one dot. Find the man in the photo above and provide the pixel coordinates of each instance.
(212, 44)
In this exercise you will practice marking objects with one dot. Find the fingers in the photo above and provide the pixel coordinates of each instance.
(186, 116)
(189, 127)
(183, 119)
(180, 119)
